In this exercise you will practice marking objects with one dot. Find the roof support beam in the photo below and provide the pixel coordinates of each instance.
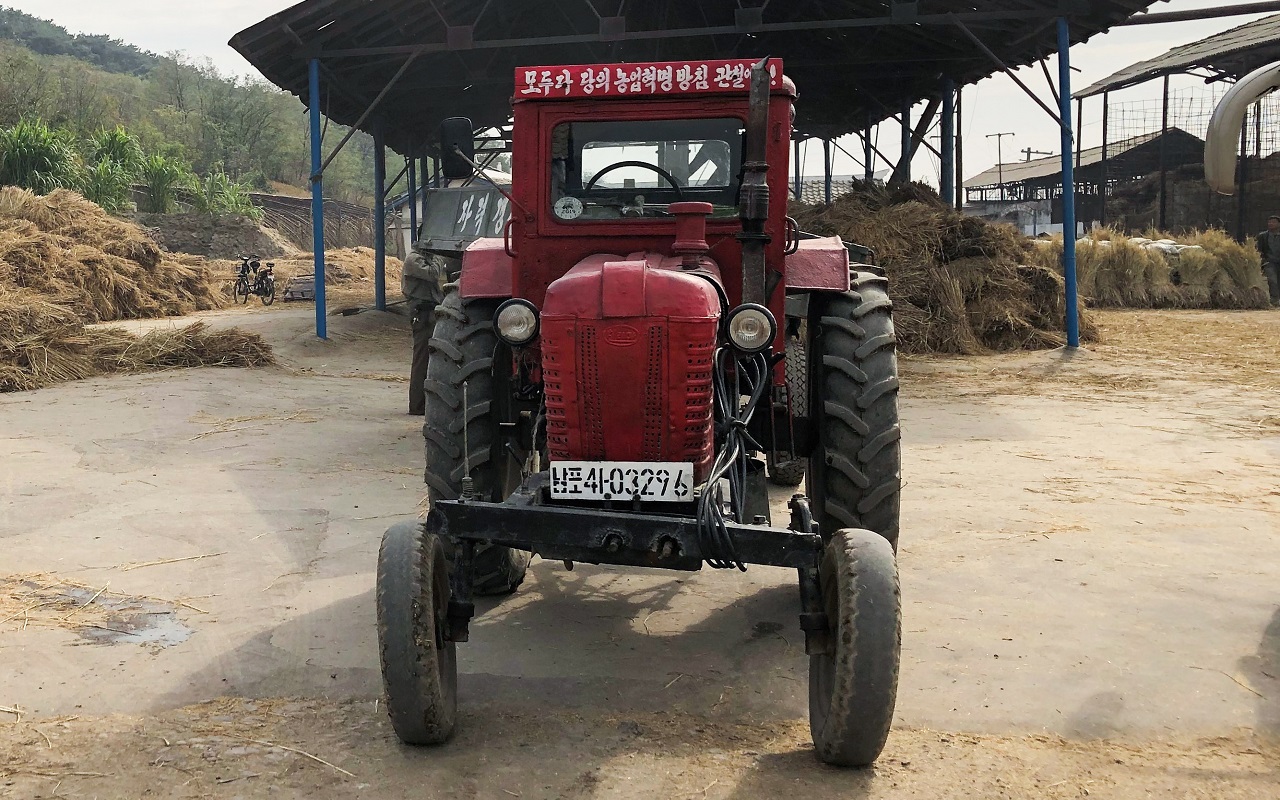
(1202, 13)
(902, 172)
(1005, 68)
(369, 111)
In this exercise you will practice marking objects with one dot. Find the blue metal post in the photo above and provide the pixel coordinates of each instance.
(826, 170)
(413, 197)
(1068, 184)
(317, 199)
(379, 215)
(798, 178)
(904, 161)
(947, 186)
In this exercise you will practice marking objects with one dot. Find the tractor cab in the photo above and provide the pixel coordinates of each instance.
(613, 380)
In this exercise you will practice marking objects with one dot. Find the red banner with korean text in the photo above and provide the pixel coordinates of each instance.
(629, 80)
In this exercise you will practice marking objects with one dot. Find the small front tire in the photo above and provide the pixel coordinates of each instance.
(853, 687)
(419, 665)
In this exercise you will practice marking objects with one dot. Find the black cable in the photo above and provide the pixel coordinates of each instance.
(750, 377)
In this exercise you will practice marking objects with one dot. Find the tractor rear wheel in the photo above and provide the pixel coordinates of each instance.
(463, 349)
(856, 465)
(419, 667)
(853, 687)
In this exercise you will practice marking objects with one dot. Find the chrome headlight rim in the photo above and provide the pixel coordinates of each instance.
(510, 312)
(764, 320)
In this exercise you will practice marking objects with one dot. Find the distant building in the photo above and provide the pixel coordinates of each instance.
(1028, 194)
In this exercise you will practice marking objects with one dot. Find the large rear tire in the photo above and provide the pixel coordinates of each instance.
(419, 667)
(463, 347)
(856, 466)
(854, 686)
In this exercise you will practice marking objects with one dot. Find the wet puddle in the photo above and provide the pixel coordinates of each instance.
(96, 615)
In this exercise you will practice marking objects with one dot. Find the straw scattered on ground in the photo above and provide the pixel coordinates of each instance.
(959, 284)
(64, 262)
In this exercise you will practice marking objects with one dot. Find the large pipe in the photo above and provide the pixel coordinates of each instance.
(1102, 167)
(1068, 186)
(1224, 127)
(317, 198)
(1164, 157)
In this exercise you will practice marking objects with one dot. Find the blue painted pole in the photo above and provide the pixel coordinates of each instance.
(379, 215)
(413, 196)
(1068, 185)
(947, 186)
(904, 162)
(317, 199)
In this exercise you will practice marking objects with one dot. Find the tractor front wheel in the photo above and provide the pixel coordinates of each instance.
(855, 469)
(854, 685)
(464, 393)
(419, 666)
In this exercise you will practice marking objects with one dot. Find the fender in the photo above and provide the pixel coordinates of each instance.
(821, 264)
(1223, 139)
(486, 270)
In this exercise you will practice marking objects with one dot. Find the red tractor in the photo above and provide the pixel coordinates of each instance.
(611, 381)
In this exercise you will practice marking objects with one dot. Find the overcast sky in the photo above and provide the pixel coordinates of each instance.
(202, 28)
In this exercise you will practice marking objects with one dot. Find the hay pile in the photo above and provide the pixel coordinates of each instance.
(73, 253)
(64, 263)
(1208, 269)
(959, 284)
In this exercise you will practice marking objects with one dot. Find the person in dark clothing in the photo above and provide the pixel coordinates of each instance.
(425, 276)
(1269, 249)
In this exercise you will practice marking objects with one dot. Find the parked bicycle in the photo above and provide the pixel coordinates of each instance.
(253, 278)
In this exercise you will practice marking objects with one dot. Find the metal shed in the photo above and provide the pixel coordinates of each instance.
(396, 68)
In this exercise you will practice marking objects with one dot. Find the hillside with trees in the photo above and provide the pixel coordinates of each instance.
(186, 112)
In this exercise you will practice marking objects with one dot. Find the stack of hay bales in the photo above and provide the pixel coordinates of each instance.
(959, 284)
(64, 262)
(1206, 270)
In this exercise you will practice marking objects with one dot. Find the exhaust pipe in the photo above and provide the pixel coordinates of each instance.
(753, 208)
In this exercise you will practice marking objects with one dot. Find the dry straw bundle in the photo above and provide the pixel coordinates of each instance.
(71, 251)
(65, 262)
(1207, 270)
(959, 284)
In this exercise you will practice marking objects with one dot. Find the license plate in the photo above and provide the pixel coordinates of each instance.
(660, 481)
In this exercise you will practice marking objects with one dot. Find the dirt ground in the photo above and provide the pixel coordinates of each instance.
(1090, 560)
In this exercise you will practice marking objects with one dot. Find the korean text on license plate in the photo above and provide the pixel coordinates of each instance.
(662, 481)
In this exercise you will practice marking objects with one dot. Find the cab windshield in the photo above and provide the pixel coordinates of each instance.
(633, 169)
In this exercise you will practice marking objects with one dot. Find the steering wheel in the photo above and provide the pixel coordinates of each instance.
(665, 175)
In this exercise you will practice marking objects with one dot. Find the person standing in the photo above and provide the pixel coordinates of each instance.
(1269, 249)
(423, 282)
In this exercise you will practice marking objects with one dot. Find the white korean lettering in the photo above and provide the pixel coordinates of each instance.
(700, 78)
(664, 78)
(649, 77)
(531, 83)
(564, 81)
(684, 77)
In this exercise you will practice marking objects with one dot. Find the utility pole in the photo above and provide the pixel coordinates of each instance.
(1029, 153)
(999, 137)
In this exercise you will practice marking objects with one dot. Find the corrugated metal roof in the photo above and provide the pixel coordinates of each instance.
(1234, 53)
(853, 60)
(1020, 171)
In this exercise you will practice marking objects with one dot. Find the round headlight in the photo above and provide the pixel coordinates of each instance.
(516, 322)
(751, 328)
